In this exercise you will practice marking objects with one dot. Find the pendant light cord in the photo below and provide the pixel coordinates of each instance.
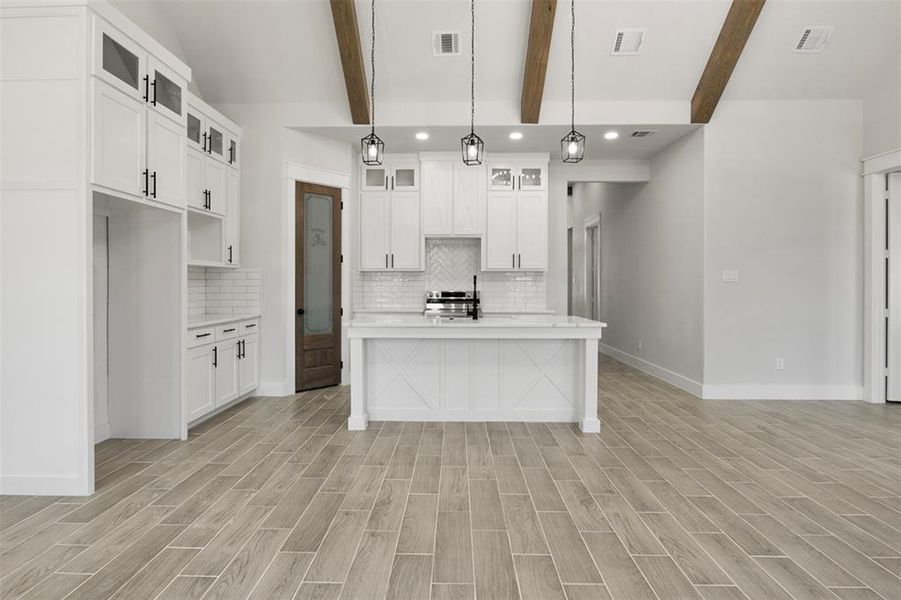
(372, 61)
(472, 68)
(572, 63)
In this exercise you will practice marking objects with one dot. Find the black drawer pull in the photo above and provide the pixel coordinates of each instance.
(201, 335)
(228, 330)
(251, 325)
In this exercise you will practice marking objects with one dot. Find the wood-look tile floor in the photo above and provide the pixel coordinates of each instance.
(675, 499)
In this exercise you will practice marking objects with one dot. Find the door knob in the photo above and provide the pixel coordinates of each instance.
(300, 311)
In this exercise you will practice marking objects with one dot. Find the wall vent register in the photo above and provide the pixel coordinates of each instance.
(446, 43)
(627, 42)
(813, 39)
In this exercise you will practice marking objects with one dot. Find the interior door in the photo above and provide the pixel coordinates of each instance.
(531, 225)
(317, 268)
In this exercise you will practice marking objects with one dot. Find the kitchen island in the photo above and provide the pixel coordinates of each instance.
(499, 368)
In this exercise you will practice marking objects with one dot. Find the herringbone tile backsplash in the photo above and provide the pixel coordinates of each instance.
(450, 265)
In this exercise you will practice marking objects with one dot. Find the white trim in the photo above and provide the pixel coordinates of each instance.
(44, 485)
(101, 433)
(590, 223)
(782, 392)
(882, 163)
(398, 414)
(274, 388)
(316, 176)
(874, 342)
(680, 381)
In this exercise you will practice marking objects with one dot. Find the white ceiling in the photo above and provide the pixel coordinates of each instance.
(264, 51)
(536, 138)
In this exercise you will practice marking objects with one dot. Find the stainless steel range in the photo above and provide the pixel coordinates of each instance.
(451, 305)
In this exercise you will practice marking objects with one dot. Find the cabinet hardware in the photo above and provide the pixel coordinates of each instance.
(392, 182)
(250, 326)
(514, 261)
(386, 182)
(201, 335)
(386, 261)
(146, 87)
(209, 147)
(231, 155)
(204, 141)
(153, 179)
(229, 254)
(243, 348)
(228, 330)
(300, 311)
(392, 261)
(238, 349)
(215, 356)
(146, 173)
(153, 87)
(520, 260)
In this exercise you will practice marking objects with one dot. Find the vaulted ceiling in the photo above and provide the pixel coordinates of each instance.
(285, 52)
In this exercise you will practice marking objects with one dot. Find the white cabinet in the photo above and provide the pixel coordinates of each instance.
(138, 106)
(225, 355)
(400, 174)
(201, 381)
(515, 232)
(391, 232)
(249, 364)
(232, 217)
(206, 182)
(516, 175)
(453, 198)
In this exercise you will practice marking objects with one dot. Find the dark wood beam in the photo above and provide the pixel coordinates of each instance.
(725, 54)
(345, 16)
(540, 29)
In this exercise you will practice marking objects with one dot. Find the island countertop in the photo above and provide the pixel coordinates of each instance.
(524, 321)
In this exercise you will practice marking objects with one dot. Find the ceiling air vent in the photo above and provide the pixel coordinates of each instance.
(813, 39)
(446, 43)
(627, 42)
(643, 133)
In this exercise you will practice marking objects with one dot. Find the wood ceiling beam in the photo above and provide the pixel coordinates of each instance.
(725, 54)
(541, 27)
(345, 16)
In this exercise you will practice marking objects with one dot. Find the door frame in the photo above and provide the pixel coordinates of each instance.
(875, 169)
(300, 188)
(590, 223)
(292, 173)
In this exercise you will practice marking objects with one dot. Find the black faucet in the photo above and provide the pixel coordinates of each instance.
(475, 298)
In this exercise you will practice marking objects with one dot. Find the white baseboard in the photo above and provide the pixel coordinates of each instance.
(274, 388)
(782, 392)
(101, 432)
(43, 485)
(680, 381)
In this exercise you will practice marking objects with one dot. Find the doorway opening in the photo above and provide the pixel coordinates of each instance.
(593, 267)
(317, 293)
(570, 279)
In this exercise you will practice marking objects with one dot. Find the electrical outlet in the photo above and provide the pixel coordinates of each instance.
(730, 276)
(780, 364)
(639, 344)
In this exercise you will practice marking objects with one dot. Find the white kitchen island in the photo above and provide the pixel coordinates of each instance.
(499, 368)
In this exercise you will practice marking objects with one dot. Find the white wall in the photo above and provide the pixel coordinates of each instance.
(784, 208)
(651, 262)
(882, 103)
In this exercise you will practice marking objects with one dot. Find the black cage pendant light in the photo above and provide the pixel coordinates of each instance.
(472, 145)
(372, 148)
(572, 146)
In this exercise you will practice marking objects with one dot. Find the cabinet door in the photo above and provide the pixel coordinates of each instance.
(499, 243)
(214, 176)
(531, 176)
(119, 159)
(374, 231)
(195, 185)
(231, 150)
(374, 178)
(469, 200)
(166, 91)
(407, 245)
(501, 176)
(166, 159)
(438, 197)
(249, 365)
(531, 225)
(196, 129)
(119, 61)
(232, 216)
(200, 381)
(226, 361)
(405, 176)
(215, 143)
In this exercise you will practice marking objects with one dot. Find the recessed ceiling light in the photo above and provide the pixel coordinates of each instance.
(422, 135)
(515, 135)
(611, 135)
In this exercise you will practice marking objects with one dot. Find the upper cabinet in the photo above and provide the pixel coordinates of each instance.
(138, 120)
(517, 175)
(210, 134)
(400, 175)
(453, 198)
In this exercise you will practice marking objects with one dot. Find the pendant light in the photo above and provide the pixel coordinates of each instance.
(572, 146)
(472, 145)
(372, 147)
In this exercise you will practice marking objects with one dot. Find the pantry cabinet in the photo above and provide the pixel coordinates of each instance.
(453, 198)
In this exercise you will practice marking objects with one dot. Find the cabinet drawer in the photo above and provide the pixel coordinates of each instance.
(248, 327)
(199, 337)
(227, 331)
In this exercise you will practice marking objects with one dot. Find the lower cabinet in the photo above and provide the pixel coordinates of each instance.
(221, 371)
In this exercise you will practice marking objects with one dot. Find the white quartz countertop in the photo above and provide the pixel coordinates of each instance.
(487, 322)
(195, 321)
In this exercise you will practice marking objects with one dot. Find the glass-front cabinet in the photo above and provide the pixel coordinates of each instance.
(166, 94)
(400, 175)
(374, 178)
(404, 175)
(531, 176)
(501, 176)
(518, 176)
(120, 61)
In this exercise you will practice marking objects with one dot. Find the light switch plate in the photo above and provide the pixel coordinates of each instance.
(730, 276)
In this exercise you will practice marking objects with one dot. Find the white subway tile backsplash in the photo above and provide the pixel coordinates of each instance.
(450, 265)
(215, 291)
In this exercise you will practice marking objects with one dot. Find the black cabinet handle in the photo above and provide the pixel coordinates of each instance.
(300, 311)
(238, 350)
(514, 260)
(228, 330)
(146, 88)
(215, 357)
(153, 86)
(386, 261)
(392, 182)
(153, 179)
(231, 155)
(145, 173)
(204, 141)
(520, 261)
(209, 147)
(253, 325)
(201, 335)
(243, 349)
(392, 261)
(229, 254)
